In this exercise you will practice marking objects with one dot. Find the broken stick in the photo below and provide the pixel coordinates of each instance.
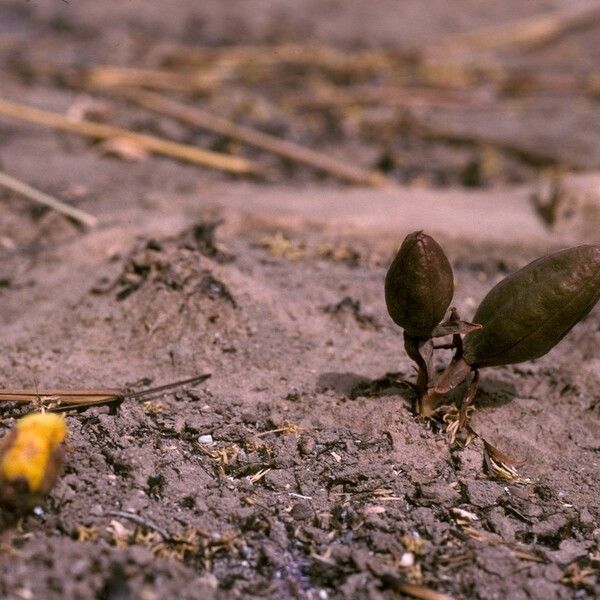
(25, 190)
(529, 33)
(206, 158)
(111, 77)
(248, 135)
(58, 400)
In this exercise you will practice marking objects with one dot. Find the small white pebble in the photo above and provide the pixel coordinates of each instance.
(407, 560)
(323, 595)
(206, 439)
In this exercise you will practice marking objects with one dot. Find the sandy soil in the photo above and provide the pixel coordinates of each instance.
(298, 468)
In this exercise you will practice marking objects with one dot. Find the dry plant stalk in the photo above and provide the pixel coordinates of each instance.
(529, 33)
(434, 68)
(222, 126)
(315, 55)
(58, 400)
(25, 190)
(108, 77)
(404, 96)
(416, 591)
(206, 158)
(58, 396)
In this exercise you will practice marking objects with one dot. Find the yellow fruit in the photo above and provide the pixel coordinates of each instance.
(31, 455)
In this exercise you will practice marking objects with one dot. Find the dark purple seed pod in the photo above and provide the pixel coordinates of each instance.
(419, 285)
(530, 311)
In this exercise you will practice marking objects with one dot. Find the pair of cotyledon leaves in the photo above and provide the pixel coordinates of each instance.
(522, 317)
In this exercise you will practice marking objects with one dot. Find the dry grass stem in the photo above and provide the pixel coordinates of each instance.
(109, 77)
(284, 148)
(151, 143)
(62, 399)
(529, 33)
(25, 190)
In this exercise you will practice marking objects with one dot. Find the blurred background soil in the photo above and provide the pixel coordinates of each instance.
(297, 469)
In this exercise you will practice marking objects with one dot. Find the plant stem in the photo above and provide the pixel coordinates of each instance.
(421, 351)
(456, 372)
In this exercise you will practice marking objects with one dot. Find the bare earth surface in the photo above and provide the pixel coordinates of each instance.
(298, 468)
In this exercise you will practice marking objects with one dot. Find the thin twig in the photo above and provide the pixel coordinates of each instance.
(411, 589)
(331, 96)
(31, 393)
(420, 591)
(167, 386)
(25, 190)
(151, 143)
(529, 33)
(248, 135)
(61, 400)
(435, 66)
(111, 77)
(316, 55)
(447, 72)
(138, 520)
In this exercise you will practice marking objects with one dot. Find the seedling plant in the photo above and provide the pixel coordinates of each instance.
(522, 318)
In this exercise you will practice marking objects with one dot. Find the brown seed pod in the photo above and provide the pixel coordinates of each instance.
(419, 285)
(530, 311)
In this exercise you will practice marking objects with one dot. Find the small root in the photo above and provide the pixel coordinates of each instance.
(456, 421)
